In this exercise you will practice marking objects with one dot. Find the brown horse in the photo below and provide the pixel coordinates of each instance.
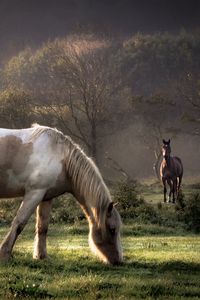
(39, 164)
(171, 172)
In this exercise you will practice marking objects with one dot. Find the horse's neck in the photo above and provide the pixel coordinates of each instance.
(168, 161)
(87, 184)
(93, 210)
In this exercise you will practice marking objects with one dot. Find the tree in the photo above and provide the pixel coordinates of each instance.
(189, 90)
(91, 85)
(154, 61)
(158, 117)
(15, 109)
(158, 70)
(74, 84)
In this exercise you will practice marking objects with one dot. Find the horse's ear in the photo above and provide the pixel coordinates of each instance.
(168, 141)
(164, 142)
(110, 208)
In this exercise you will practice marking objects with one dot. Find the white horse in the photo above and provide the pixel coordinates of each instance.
(40, 163)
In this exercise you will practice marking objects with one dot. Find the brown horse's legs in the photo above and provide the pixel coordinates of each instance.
(171, 189)
(42, 222)
(165, 189)
(29, 204)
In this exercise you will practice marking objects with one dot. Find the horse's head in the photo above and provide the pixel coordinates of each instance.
(166, 149)
(105, 238)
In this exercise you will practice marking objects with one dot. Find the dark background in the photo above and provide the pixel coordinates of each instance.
(26, 22)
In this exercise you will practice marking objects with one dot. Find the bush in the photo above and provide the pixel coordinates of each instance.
(181, 202)
(8, 209)
(126, 193)
(132, 205)
(191, 213)
(66, 210)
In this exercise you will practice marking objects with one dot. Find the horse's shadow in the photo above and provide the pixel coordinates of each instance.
(90, 264)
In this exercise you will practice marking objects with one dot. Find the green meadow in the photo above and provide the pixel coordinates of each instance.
(161, 260)
(158, 264)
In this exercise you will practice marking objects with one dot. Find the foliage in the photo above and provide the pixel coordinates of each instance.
(131, 205)
(66, 210)
(181, 202)
(90, 87)
(191, 213)
(73, 82)
(153, 60)
(188, 210)
(15, 108)
(8, 209)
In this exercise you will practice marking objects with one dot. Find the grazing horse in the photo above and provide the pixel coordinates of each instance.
(40, 163)
(171, 172)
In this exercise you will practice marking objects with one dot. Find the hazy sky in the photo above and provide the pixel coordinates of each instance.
(24, 22)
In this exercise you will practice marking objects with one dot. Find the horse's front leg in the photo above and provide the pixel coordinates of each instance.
(29, 204)
(171, 189)
(42, 223)
(164, 188)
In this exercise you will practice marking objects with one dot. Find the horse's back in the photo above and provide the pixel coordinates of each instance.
(21, 133)
(27, 162)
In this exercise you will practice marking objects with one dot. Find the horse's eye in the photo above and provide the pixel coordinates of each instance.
(112, 231)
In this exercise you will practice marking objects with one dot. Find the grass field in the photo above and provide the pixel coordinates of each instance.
(152, 191)
(159, 264)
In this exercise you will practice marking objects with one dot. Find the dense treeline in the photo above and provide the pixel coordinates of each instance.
(91, 88)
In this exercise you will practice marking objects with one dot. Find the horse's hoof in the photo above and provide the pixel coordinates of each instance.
(4, 257)
(40, 256)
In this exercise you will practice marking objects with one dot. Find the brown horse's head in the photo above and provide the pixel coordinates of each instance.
(104, 240)
(166, 149)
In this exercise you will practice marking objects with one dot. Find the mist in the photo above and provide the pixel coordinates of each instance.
(140, 61)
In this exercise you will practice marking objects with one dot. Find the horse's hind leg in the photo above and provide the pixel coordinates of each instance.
(29, 204)
(174, 190)
(42, 222)
(164, 189)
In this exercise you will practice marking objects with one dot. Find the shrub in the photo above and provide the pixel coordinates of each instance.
(8, 209)
(132, 205)
(191, 214)
(180, 205)
(126, 195)
(66, 210)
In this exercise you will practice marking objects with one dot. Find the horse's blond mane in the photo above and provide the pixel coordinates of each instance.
(82, 171)
(56, 135)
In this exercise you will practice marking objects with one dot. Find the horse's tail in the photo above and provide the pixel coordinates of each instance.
(180, 175)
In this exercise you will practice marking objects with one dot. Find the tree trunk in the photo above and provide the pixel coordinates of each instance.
(93, 149)
(157, 164)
